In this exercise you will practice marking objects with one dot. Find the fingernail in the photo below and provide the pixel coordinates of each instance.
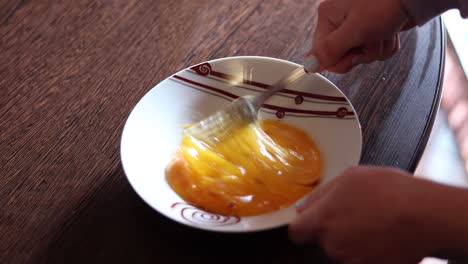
(300, 205)
(311, 64)
(356, 60)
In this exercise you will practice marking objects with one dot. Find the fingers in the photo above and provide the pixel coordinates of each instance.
(371, 51)
(381, 50)
(334, 46)
(307, 226)
(308, 200)
(343, 26)
(345, 64)
(314, 196)
(395, 46)
(368, 53)
(341, 40)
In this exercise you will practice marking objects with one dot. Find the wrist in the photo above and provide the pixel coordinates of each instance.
(439, 215)
(421, 11)
(452, 222)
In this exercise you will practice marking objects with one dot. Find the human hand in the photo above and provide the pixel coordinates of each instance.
(368, 215)
(351, 32)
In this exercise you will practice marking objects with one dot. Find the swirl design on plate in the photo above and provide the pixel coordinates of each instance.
(280, 114)
(227, 90)
(196, 216)
(299, 100)
(202, 69)
(342, 112)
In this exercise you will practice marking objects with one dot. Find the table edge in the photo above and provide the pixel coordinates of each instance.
(421, 146)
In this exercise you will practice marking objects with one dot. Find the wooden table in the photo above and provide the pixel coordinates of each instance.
(70, 73)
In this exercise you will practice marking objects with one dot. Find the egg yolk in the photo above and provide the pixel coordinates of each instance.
(260, 168)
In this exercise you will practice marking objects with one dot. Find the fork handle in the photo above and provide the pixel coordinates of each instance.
(310, 65)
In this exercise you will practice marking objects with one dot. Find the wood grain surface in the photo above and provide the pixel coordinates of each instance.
(71, 72)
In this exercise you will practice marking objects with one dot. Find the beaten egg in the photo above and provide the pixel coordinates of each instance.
(262, 167)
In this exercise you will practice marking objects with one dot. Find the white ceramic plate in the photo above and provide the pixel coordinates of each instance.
(154, 129)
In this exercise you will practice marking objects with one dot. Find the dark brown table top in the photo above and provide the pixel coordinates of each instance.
(70, 73)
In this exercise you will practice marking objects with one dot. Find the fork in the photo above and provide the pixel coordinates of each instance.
(244, 110)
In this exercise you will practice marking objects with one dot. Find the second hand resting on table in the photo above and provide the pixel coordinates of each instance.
(374, 214)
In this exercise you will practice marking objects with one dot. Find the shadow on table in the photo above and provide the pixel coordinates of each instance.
(116, 226)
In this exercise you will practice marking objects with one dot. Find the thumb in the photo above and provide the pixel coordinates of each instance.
(333, 47)
(306, 227)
